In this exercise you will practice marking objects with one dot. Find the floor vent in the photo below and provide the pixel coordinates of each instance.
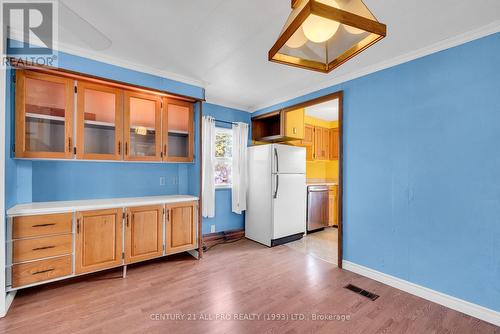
(361, 292)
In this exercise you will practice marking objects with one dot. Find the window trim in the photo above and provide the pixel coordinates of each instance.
(229, 131)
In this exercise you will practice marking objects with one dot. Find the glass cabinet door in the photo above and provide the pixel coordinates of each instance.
(99, 129)
(177, 130)
(44, 110)
(142, 127)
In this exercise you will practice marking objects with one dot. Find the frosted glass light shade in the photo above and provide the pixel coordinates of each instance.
(319, 29)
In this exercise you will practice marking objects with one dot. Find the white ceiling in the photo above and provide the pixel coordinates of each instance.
(327, 111)
(222, 45)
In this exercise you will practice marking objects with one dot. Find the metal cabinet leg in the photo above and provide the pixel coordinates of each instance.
(124, 271)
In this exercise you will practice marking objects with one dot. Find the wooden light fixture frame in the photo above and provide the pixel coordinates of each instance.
(378, 31)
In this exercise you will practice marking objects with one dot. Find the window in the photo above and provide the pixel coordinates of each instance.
(223, 157)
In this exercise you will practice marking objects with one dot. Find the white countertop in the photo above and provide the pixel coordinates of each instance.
(94, 204)
(322, 184)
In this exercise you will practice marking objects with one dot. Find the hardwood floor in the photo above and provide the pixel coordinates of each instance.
(239, 278)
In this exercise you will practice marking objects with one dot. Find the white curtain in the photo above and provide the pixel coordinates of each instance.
(207, 167)
(239, 168)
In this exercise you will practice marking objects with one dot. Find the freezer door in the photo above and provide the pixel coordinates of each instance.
(289, 204)
(288, 159)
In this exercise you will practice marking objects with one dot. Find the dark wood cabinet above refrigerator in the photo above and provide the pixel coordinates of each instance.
(279, 126)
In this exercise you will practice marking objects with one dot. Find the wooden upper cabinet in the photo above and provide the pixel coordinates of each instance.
(294, 123)
(334, 144)
(98, 240)
(143, 233)
(308, 135)
(142, 127)
(112, 122)
(181, 232)
(99, 122)
(321, 139)
(44, 115)
(178, 130)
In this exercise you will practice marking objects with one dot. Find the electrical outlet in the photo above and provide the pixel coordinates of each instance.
(212, 228)
(162, 180)
(175, 180)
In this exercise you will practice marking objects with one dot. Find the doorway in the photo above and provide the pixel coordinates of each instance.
(323, 142)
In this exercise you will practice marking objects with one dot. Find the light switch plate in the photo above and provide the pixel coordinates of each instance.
(212, 228)
(162, 180)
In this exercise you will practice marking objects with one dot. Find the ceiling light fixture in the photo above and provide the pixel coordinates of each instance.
(321, 35)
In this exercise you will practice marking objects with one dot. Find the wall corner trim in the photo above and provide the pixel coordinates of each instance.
(453, 303)
(9, 298)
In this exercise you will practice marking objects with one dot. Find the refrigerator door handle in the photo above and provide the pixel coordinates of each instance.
(277, 160)
(277, 186)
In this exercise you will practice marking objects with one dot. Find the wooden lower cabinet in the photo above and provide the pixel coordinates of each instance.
(42, 270)
(98, 240)
(37, 248)
(181, 231)
(40, 225)
(332, 206)
(143, 233)
(44, 247)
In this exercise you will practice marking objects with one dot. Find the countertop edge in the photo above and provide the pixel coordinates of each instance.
(97, 204)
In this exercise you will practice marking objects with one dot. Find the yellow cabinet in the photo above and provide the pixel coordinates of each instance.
(321, 143)
(143, 233)
(44, 116)
(308, 135)
(332, 206)
(294, 123)
(181, 232)
(334, 144)
(98, 240)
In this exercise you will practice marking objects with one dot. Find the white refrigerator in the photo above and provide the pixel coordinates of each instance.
(276, 199)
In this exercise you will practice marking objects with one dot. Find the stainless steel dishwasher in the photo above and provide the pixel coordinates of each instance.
(317, 208)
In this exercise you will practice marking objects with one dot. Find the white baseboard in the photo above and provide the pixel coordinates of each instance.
(454, 303)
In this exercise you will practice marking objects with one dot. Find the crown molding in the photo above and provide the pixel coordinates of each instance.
(80, 52)
(469, 36)
(228, 104)
(93, 55)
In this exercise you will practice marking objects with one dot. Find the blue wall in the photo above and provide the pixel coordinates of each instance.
(61, 180)
(225, 219)
(17, 172)
(422, 171)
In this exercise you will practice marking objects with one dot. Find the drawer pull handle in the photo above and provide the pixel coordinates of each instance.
(42, 248)
(43, 225)
(42, 271)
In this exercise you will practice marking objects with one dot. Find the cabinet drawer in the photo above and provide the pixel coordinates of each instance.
(38, 271)
(34, 226)
(32, 249)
